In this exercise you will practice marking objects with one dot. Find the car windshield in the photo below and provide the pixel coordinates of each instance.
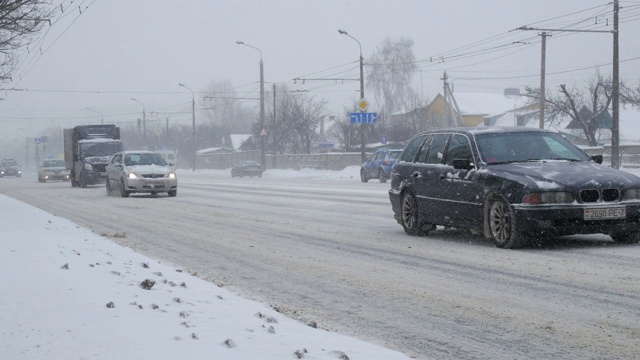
(526, 146)
(54, 163)
(100, 148)
(9, 163)
(394, 154)
(144, 159)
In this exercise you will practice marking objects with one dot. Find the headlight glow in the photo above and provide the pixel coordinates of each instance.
(172, 175)
(132, 176)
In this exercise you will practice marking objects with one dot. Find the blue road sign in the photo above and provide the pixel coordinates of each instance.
(37, 140)
(364, 118)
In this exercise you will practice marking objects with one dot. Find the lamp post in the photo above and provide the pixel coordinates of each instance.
(193, 119)
(101, 117)
(362, 152)
(262, 132)
(144, 118)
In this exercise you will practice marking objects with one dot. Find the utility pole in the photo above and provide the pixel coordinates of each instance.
(615, 93)
(543, 70)
(273, 132)
(263, 159)
(362, 125)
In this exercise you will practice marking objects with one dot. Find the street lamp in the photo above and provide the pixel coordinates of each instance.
(262, 132)
(144, 118)
(342, 32)
(101, 117)
(193, 119)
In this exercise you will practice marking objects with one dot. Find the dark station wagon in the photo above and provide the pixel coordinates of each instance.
(514, 184)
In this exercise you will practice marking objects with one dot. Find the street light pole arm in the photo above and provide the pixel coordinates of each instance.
(253, 47)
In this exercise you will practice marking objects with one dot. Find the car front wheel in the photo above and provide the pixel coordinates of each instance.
(502, 225)
(382, 176)
(172, 193)
(108, 186)
(123, 192)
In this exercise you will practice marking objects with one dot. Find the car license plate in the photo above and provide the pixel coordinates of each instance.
(618, 212)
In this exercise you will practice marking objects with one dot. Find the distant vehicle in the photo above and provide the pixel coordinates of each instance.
(51, 169)
(379, 164)
(247, 168)
(88, 150)
(170, 157)
(140, 172)
(513, 184)
(10, 167)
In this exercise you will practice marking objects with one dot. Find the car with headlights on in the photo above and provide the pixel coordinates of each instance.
(247, 168)
(513, 184)
(140, 172)
(53, 169)
(10, 167)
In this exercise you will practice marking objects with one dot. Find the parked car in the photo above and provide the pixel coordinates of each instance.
(513, 184)
(52, 169)
(247, 168)
(379, 164)
(10, 167)
(140, 172)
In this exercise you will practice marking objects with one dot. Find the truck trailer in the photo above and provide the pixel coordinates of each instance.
(87, 151)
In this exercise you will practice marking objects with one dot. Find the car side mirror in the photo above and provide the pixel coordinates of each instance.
(462, 164)
(597, 159)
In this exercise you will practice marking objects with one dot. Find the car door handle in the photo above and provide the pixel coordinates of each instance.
(443, 176)
(416, 174)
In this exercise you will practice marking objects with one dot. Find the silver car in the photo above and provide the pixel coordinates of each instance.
(140, 172)
(52, 169)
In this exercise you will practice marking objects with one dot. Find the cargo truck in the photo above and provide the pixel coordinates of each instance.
(87, 151)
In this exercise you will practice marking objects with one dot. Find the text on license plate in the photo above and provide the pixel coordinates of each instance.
(618, 212)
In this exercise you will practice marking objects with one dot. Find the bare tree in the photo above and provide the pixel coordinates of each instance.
(223, 108)
(297, 122)
(585, 107)
(19, 21)
(392, 68)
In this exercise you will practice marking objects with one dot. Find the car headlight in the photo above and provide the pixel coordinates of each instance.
(132, 176)
(556, 197)
(88, 167)
(172, 175)
(631, 194)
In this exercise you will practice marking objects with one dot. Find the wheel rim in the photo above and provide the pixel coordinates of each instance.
(500, 221)
(409, 212)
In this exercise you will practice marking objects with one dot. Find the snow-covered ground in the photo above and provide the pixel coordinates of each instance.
(68, 293)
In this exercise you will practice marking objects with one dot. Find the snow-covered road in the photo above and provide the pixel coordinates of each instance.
(329, 251)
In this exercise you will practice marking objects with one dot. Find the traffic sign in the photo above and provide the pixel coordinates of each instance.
(363, 104)
(364, 118)
(37, 140)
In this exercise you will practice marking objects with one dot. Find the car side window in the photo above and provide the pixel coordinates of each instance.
(411, 150)
(423, 151)
(459, 148)
(436, 149)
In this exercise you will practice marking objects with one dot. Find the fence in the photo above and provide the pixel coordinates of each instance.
(321, 161)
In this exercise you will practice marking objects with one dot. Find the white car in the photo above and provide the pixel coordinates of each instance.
(140, 172)
(52, 169)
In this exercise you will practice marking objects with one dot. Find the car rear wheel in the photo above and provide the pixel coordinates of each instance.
(411, 218)
(363, 176)
(626, 238)
(502, 225)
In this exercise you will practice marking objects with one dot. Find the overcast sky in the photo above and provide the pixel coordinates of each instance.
(99, 54)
